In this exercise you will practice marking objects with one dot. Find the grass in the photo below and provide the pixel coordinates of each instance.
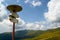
(47, 35)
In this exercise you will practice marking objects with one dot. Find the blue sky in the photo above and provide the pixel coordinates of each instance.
(36, 15)
(32, 13)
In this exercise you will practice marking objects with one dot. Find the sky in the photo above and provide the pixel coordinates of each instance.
(35, 15)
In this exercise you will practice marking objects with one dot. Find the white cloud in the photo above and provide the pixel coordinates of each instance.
(5, 26)
(21, 22)
(26, 1)
(54, 25)
(33, 2)
(35, 26)
(32, 26)
(3, 15)
(20, 25)
(1, 1)
(53, 13)
(3, 12)
(36, 3)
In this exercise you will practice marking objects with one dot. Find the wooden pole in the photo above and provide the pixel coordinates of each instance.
(13, 31)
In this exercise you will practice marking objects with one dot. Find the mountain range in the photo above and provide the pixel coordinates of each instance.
(52, 34)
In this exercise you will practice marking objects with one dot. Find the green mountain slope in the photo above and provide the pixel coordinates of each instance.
(53, 34)
(34, 32)
(48, 35)
(20, 35)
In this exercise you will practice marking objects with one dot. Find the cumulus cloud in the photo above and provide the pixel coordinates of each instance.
(1, 1)
(32, 26)
(33, 2)
(20, 25)
(35, 26)
(3, 16)
(3, 12)
(5, 26)
(37, 3)
(53, 13)
(54, 25)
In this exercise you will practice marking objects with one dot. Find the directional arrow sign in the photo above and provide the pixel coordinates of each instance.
(15, 15)
(13, 19)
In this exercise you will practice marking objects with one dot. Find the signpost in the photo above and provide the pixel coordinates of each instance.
(14, 9)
